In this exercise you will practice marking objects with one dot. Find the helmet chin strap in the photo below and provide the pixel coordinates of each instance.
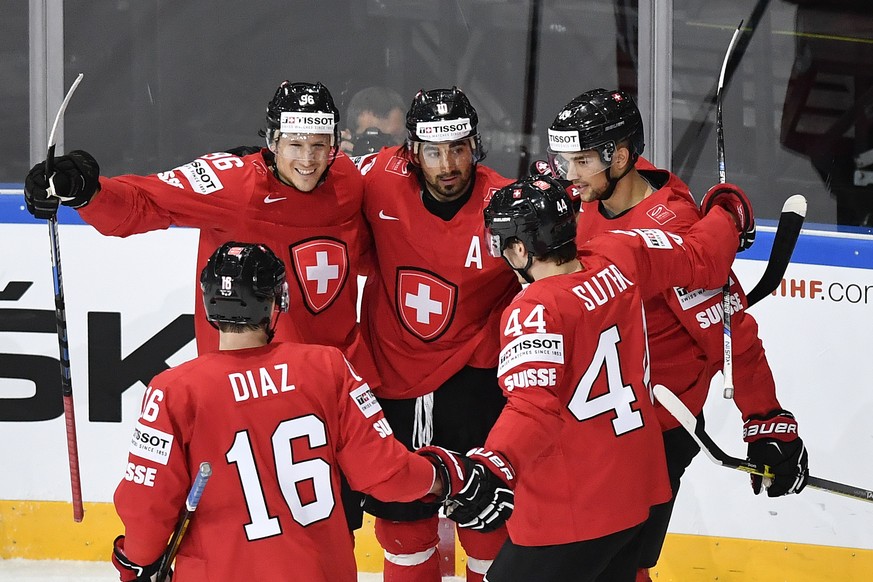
(613, 182)
(523, 271)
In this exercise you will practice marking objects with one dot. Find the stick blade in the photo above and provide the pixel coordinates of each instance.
(795, 204)
(787, 233)
(675, 407)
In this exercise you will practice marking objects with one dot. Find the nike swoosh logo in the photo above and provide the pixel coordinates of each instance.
(384, 216)
(268, 200)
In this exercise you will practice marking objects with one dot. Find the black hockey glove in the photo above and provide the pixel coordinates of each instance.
(773, 441)
(76, 180)
(734, 200)
(130, 572)
(479, 495)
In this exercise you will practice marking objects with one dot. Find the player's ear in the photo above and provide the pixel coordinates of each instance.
(622, 156)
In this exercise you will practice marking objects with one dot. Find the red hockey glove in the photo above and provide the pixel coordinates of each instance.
(451, 469)
(773, 441)
(130, 572)
(734, 200)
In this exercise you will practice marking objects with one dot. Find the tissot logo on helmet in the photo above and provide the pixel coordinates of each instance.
(435, 131)
(294, 122)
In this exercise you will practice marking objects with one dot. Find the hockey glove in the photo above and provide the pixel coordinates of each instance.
(479, 495)
(734, 200)
(451, 467)
(76, 180)
(773, 441)
(130, 572)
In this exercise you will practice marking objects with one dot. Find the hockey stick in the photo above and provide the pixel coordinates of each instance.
(728, 368)
(787, 232)
(61, 316)
(678, 409)
(190, 507)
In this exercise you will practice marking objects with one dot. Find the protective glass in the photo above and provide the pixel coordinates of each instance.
(572, 165)
(316, 147)
(458, 153)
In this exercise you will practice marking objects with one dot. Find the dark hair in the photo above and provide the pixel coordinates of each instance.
(225, 327)
(380, 101)
(562, 254)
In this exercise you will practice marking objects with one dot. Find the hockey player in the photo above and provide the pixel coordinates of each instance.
(578, 440)
(431, 310)
(276, 421)
(595, 142)
(299, 194)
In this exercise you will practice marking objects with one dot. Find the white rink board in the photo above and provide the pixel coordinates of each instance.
(818, 350)
(148, 278)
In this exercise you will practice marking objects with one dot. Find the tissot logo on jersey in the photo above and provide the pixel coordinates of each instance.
(150, 443)
(532, 347)
(529, 378)
(365, 400)
(603, 286)
(201, 176)
(691, 299)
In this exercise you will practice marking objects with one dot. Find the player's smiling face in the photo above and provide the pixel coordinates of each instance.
(301, 159)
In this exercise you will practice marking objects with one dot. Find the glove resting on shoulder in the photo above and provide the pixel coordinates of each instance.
(773, 441)
(129, 571)
(76, 179)
(732, 198)
(479, 494)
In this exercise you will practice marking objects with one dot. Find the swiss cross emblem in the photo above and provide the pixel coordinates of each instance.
(321, 266)
(425, 302)
(661, 214)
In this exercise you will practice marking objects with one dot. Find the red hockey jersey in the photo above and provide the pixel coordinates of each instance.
(579, 426)
(276, 423)
(319, 235)
(685, 331)
(433, 302)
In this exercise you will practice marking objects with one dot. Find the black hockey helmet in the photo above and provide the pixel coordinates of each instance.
(598, 120)
(296, 98)
(441, 116)
(245, 284)
(535, 210)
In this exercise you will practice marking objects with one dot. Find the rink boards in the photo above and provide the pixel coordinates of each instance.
(136, 294)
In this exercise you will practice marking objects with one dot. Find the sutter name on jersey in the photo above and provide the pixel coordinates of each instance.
(613, 283)
(260, 383)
